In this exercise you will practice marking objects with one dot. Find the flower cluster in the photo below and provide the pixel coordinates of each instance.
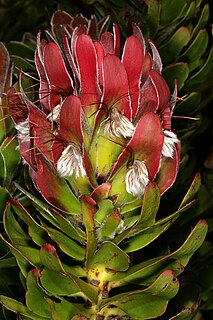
(103, 117)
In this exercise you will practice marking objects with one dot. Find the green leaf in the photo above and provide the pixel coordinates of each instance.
(19, 308)
(150, 206)
(21, 242)
(204, 17)
(109, 227)
(4, 67)
(69, 227)
(58, 284)
(150, 302)
(170, 50)
(22, 261)
(154, 7)
(36, 232)
(179, 71)
(183, 315)
(35, 296)
(8, 147)
(192, 192)
(111, 256)
(88, 212)
(55, 218)
(66, 285)
(200, 79)
(146, 271)
(21, 64)
(13, 229)
(49, 258)
(146, 236)
(3, 169)
(187, 106)
(188, 13)
(142, 236)
(66, 244)
(20, 49)
(87, 289)
(171, 10)
(46, 209)
(105, 208)
(8, 274)
(125, 200)
(197, 48)
(4, 197)
(63, 309)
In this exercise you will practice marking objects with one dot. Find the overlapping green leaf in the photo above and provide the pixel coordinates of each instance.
(154, 298)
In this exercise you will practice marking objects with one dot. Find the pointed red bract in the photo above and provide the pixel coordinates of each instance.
(87, 64)
(149, 99)
(168, 171)
(70, 121)
(41, 132)
(100, 56)
(56, 71)
(166, 119)
(78, 31)
(17, 108)
(71, 60)
(156, 59)
(162, 90)
(132, 59)
(101, 192)
(147, 142)
(115, 85)
(138, 33)
(107, 41)
(54, 188)
(117, 40)
(147, 66)
(44, 88)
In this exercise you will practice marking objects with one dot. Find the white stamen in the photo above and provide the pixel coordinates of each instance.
(55, 113)
(71, 161)
(23, 130)
(137, 178)
(170, 138)
(118, 125)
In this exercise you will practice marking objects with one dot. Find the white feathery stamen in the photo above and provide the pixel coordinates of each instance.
(23, 130)
(137, 178)
(55, 113)
(118, 125)
(71, 161)
(170, 138)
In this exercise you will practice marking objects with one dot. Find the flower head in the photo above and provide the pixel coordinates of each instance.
(112, 117)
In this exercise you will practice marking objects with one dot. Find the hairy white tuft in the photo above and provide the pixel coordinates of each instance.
(55, 113)
(23, 130)
(71, 162)
(137, 178)
(118, 125)
(170, 138)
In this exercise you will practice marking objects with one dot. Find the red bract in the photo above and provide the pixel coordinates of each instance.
(104, 112)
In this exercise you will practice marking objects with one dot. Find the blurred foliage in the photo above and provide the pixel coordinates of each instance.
(182, 32)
